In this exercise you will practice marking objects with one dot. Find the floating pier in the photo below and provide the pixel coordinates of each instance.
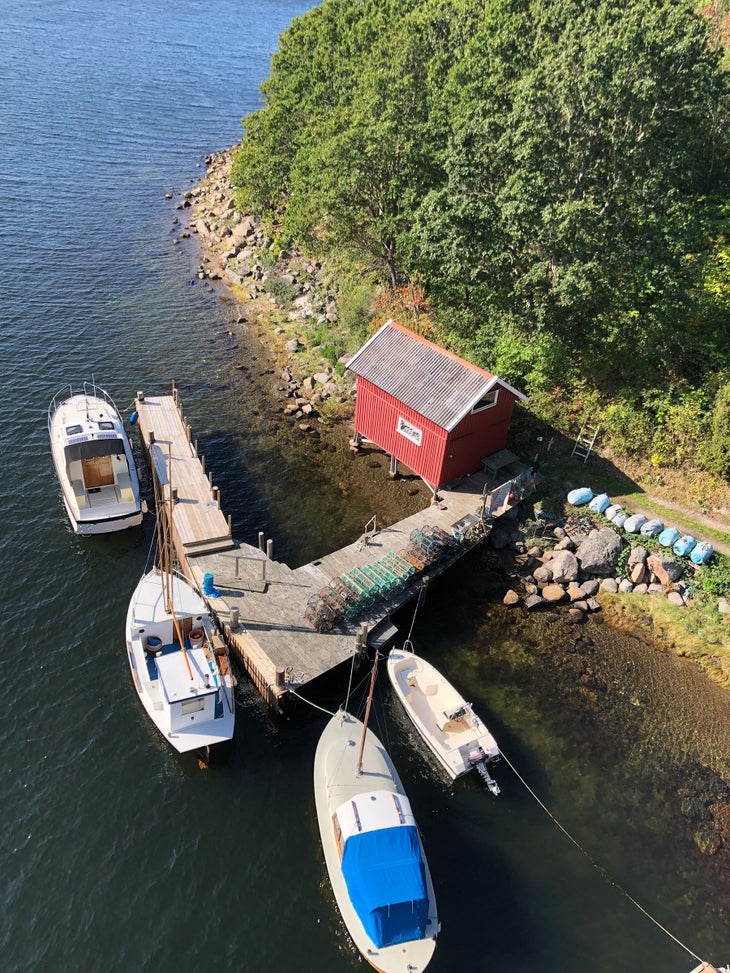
(287, 626)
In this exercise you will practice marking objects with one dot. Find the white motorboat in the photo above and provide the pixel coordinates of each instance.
(447, 723)
(372, 848)
(179, 662)
(94, 462)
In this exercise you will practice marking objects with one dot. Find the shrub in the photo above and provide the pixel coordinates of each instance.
(717, 456)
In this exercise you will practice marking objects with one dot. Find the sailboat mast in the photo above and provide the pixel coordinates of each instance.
(373, 675)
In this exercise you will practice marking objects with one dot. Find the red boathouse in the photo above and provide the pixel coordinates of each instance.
(427, 408)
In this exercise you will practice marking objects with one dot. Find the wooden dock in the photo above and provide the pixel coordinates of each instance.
(261, 602)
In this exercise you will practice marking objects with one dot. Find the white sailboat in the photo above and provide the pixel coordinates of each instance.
(93, 461)
(447, 723)
(178, 661)
(373, 850)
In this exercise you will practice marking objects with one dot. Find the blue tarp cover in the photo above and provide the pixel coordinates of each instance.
(386, 882)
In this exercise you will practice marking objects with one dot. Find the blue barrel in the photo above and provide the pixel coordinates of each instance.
(209, 589)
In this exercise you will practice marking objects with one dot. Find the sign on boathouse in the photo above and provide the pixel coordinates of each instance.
(427, 408)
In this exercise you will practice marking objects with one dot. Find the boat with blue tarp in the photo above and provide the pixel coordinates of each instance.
(372, 847)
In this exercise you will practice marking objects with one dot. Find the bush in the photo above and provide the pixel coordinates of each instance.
(715, 578)
(717, 457)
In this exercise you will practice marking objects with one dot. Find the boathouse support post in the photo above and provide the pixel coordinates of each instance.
(393, 467)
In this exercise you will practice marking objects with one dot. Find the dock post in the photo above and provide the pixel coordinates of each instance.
(140, 396)
(216, 494)
(261, 540)
(152, 437)
(230, 525)
(280, 674)
(233, 623)
(270, 549)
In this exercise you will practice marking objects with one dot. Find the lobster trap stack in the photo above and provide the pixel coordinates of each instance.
(360, 588)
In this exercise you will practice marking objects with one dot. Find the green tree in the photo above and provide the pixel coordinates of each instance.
(583, 144)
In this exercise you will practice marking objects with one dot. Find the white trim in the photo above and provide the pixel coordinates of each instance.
(490, 405)
(495, 380)
(409, 431)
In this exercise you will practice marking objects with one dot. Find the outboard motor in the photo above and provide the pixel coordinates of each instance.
(478, 759)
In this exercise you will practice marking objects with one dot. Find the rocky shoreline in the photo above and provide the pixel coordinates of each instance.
(573, 563)
(280, 292)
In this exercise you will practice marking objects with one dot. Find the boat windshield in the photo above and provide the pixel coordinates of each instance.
(386, 882)
(94, 448)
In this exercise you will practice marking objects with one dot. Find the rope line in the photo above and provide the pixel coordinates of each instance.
(315, 705)
(599, 868)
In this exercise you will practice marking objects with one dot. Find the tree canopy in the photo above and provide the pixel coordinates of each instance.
(554, 176)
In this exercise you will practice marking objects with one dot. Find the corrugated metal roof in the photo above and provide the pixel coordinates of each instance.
(435, 383)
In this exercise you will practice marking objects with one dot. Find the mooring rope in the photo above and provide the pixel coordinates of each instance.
(599, 868)
(315, 705)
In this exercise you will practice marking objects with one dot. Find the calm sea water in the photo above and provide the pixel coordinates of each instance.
(119, 855)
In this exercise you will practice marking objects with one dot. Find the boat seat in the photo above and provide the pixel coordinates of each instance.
(127, 495)
(427, 688)
(79, 493)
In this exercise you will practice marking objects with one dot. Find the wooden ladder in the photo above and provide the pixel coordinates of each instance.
(584, 442)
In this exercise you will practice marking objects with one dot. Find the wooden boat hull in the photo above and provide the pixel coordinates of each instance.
(337, 782)
(188, 696)
(444, 719)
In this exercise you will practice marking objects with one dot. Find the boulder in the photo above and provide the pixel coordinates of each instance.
(590, 587)
(638, 572)
(637, 555)
(598, 554)
(543, 574)
(564, 567)
(610, 585)
(533, 601)
(553, 593)
(665, 568)
(675, 598)
(511, 598)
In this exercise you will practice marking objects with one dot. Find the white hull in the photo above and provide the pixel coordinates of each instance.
(441, 715)
(337, 784)
(94, 463)
(186, 695)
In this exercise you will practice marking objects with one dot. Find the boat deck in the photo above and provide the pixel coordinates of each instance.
(263, 605)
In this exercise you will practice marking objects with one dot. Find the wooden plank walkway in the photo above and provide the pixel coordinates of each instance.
(199, 525)
(261, 602)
